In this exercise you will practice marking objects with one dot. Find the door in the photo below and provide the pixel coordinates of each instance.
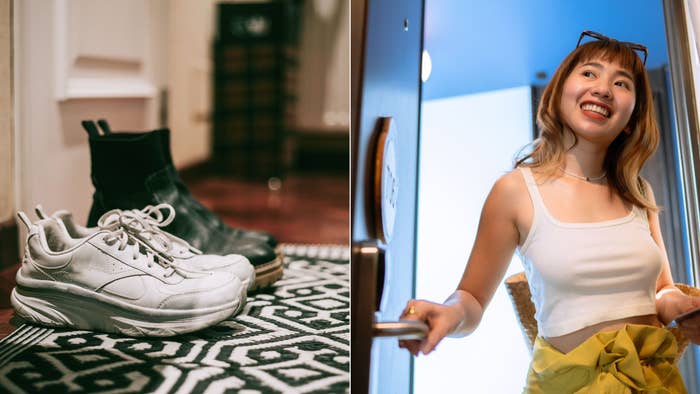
(68, 68)
(386, 53)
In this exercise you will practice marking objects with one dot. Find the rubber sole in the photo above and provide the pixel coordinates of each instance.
(268, 273)
(60, 309)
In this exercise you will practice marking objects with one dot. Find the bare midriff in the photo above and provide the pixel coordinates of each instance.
(568, 342)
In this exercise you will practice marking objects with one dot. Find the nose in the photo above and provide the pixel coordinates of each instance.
(602, 89)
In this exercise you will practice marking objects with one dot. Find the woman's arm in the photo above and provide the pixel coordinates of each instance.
(670, 301)
(665, 288)
(496, 239)
(495, 242)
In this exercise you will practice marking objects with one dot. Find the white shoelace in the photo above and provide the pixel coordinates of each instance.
(147, 223)
(118, 232)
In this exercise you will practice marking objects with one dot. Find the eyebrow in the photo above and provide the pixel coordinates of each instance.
(620, 71)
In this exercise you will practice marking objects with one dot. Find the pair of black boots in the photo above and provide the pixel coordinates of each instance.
(131, 170)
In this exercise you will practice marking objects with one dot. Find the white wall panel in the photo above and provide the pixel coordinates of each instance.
(467, 142)
(75, 60)
(7, 166)
(102, 49)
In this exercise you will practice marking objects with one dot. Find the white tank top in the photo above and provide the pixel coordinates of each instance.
(581, 274)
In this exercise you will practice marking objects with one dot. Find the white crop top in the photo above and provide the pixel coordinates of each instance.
(581, 274)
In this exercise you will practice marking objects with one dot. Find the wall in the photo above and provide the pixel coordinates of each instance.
(469, 39)
(467, 142)
(7, 167)
(323, 100)
(64, 76)
(190, 29)
(324, 67)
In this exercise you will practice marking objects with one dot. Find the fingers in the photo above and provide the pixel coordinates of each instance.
(429, 313)
(410, 312)
(412, 345)
(414, 310)
(436, 334)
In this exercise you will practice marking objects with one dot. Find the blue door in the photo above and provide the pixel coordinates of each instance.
(386, 54)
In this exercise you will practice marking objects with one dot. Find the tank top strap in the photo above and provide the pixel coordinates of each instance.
(535, 196)
(641, 214)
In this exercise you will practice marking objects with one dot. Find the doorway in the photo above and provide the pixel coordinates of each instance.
(476, 113)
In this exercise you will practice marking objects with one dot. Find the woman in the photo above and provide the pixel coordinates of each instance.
(586, 226)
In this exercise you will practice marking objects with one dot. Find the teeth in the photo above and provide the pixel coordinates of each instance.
(596, 108)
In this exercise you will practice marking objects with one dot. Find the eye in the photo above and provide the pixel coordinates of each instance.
(588, 73)
(623, 84)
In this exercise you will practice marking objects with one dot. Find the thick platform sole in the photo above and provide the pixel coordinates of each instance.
(60, 309)
(268, 273)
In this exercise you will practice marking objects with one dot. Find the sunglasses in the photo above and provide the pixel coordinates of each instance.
(639, 48)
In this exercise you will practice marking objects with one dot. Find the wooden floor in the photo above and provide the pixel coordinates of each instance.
(304, 209)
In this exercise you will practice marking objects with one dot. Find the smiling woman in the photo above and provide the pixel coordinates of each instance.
(586, 226)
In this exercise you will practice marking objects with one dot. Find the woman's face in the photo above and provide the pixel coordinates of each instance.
(597, 100)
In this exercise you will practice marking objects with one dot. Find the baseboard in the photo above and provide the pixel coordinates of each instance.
(9, 247)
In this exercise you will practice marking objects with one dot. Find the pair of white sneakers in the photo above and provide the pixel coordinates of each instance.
(126, 276)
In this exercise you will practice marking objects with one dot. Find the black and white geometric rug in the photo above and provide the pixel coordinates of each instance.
(294, 338)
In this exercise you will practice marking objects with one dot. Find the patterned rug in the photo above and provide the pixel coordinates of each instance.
(293, 338)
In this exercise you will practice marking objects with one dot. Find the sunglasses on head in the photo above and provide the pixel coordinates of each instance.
(639, 48)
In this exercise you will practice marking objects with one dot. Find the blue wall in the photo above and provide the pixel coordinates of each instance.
(481, 45)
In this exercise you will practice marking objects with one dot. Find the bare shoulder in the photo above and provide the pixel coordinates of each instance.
(509, 191)
(510, 184)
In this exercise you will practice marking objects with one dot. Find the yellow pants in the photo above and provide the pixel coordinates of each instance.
(633, 359)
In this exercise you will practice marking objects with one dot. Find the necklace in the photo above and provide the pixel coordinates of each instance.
(585, 178)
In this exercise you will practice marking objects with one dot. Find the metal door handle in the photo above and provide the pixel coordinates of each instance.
(402, 329)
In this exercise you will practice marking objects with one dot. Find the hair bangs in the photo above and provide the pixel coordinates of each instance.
(611, 51)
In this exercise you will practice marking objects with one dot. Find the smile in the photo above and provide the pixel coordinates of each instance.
(596, 108)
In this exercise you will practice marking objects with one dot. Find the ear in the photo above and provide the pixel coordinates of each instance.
(627, 130)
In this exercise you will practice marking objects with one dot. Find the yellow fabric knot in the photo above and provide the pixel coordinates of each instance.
(633, 359)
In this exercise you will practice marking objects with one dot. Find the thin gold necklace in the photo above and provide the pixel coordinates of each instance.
(585, 178)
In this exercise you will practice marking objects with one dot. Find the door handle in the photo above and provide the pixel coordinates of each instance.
(368, 263)
(402, 329)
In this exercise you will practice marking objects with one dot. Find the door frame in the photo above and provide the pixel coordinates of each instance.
(686, 119)
(688, 140)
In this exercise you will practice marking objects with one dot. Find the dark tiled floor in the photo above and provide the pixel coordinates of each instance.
(306, 209)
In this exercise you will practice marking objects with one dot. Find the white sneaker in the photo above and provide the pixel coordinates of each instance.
(146, 224)
(110, 281)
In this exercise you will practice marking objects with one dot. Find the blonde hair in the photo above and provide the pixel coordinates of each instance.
(628, 152)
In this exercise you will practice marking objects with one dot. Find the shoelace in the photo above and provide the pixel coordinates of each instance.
(117, 232)
(147, 223)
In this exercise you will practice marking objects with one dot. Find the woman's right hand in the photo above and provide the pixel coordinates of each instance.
(441, 320)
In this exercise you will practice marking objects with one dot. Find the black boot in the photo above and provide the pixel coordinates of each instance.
(212, 220)
(132, 170)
